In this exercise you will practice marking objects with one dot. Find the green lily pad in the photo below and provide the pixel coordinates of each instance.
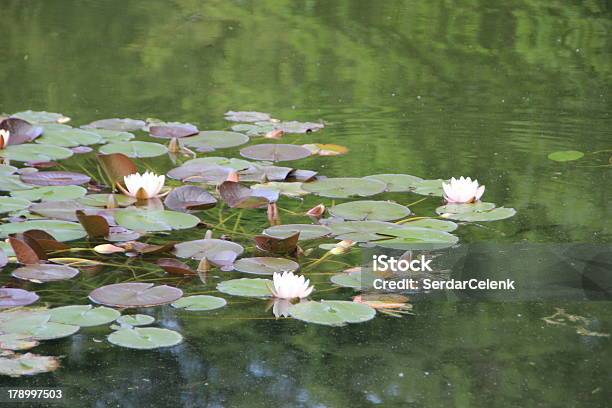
(236, 164)
(442, 225)
(66, 136)
(397, 182)
(145, 338)
(370, 210)
(45, 273)
(61, 230)
(7, 248)
(135, 149)
(100, 200)
(136, 320)
(293, 189)
(256, 287)
(307, 231)
(51, 193)
(275, 152)
(418, 238)
(36, 152)
(135, 294)
(343, 187)
(246, 116)
(6, 169)
(199, 302)
(357, 279)
(265, 265)
(59, 210)
(465, 208)
(124, 125)
(216, 139)
(12, 182)
(111, 136)
(332, 312)
(363, 231)
(83, 315)
(41, 117)
(209, 248)
(566, 155)
(155, 220)
(38, 326)
(430, 187)
(495, 214)
(9, 204)
(16, 365)
(254, 129)
(16, 341)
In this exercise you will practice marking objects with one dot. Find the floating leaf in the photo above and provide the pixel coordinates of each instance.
(236, 164)
(135, 294)
(51, 193)
(566, 155)
(171, 130)
(96, 226)
(35, 153)
(21, 130)
(307, 231)
(210, 249)
(332, 312)
(26, 253)
(465, 208)
(135, 149)
(370, 210)
(356, 279)
(61, 210)
(397, 182)
(256, 287)
(3, 258)
(136, 320)
(55, 178)
(13, 297)
(175, 267)
(275, 152)
(216, 139)
(6, 169)
(145, 338)
(124, 125)
(265, 265)
(199, 303)
(190, 198)
(201, 173)
(12, 183)
(45, 273)
(111, 136)
(363, 231)
(496, 214)
(27, 364)
(38, 326)
(238, 196)
(278, 245)
(101, 200)
(16, 341)
(326, 149)
(10, 204)
(287, 189)
(61, 230)
(66, 136)
(41, 117)
(430, 187)
(156, 220)
(343, 187)
(255, 129)
(245, 116)
(299, 127)
(418, 238)
(83, 315)
(441, 225)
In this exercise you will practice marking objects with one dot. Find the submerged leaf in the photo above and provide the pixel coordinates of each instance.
(175, 267)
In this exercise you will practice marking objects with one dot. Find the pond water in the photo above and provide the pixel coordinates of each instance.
(432, 89)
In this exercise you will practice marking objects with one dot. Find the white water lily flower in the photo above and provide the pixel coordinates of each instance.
(290, 286)
(5, 135)
(462, 190)
(281, 307)
(143, 186)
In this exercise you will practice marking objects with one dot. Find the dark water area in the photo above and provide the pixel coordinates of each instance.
(434, 89)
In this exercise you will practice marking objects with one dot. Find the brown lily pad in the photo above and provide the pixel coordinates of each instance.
(45, 273)
(55, 178)
(175, 267)
(96, 226)
(169, 131)
(21, 131)
(135, 294)
(16, 365)
(278, 245)
(238, 196)
(190, 198)
(275, 152)
(27, 253)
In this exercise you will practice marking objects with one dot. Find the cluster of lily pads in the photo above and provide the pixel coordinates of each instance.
(117, 209)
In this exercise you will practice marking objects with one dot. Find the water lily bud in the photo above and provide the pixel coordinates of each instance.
(208, 235)
(233, 176)
(111, 202)
(275, 134)
(273, 216)
(204, 265)
(342, 247)
(174, 146)
(316, 212)
(107, 249)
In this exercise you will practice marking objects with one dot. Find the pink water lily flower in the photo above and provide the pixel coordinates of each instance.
(462, 190)
(290, 286)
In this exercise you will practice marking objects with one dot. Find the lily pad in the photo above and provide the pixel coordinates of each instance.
(41, 117)
(55, 178)
(60, 210)
(418, 238)
(465, 208)
(17, 365)
(275, 152)
(10, 204)
(12, 183)
(293, 189)
(246, 116)
(16, 341)
(343, 187)
(430, 187)
(6, 169)
(211, 249)
(238, 196)
(332, 312)
(397, 182)
(442, 225)
(363, 231)
(35, 153)
(101, 200)
(370, 210)
(136, 320)
(299, 127)
(83, 315)
(255, 129)
(61, 230)
(66, 136)
(236, 164)
(51, 193)
(256, 287)
(172, 130)
(495, 214)
(13, 297)
(135, 149)
(135, 294)
(38, 326)
(201, 173)
(265, 265)
(21, 131)
(111, 136)
(156, 220)
(124, 125)
(216, 139)
(566, 155)
(45, 273)
(199, 302)
(190, 198)
(307, 231)
(145, 338)
(356, 279)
